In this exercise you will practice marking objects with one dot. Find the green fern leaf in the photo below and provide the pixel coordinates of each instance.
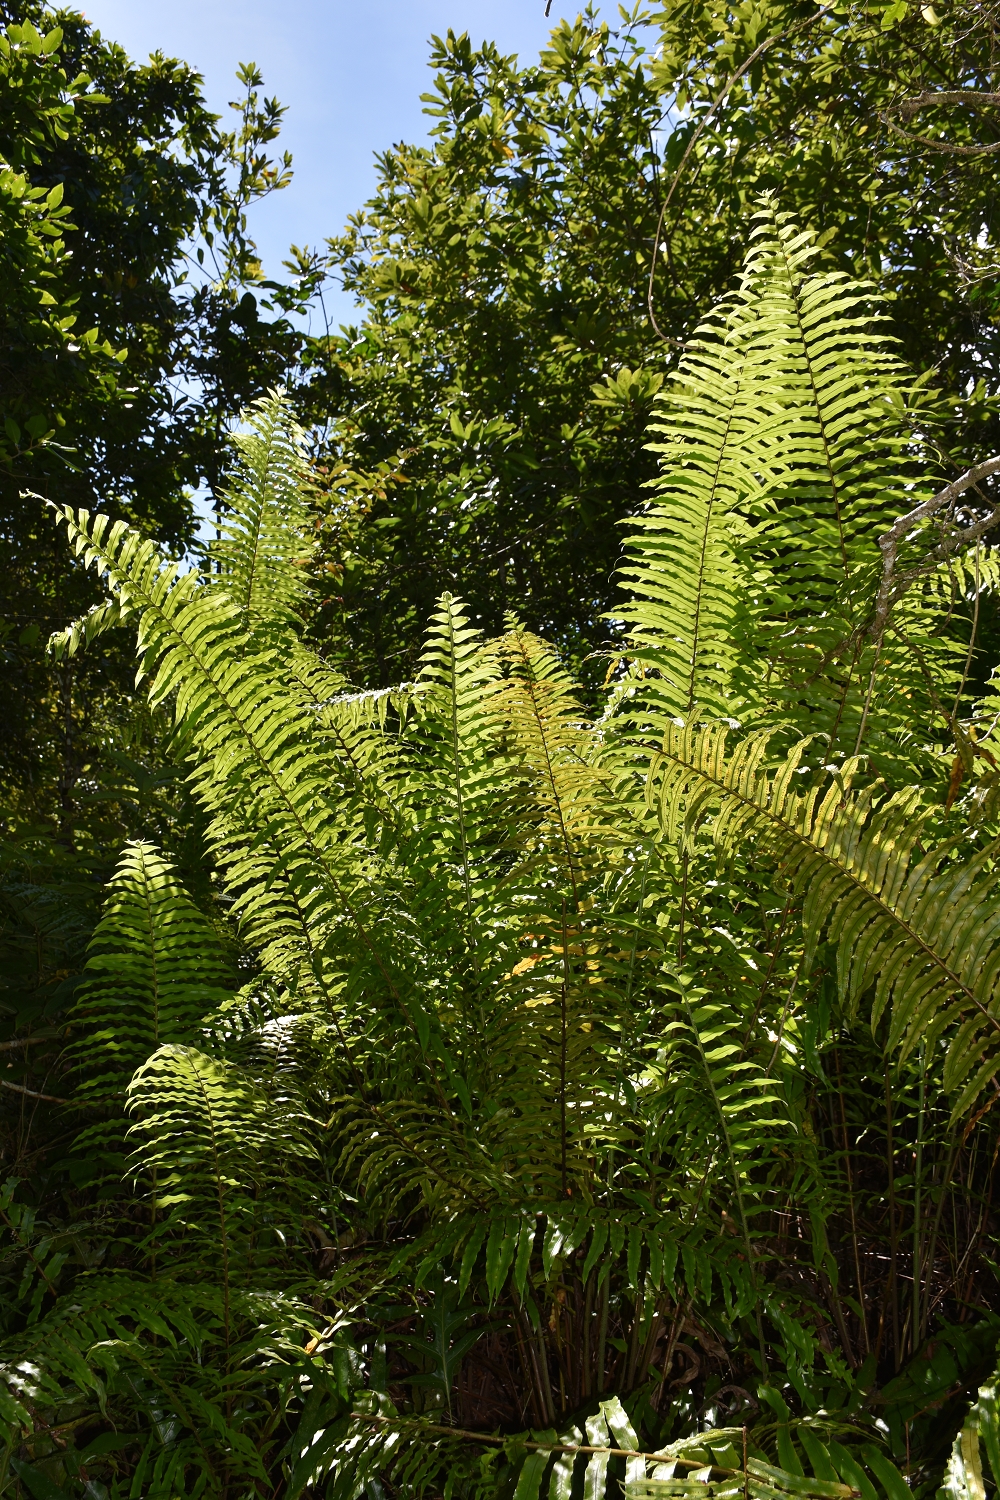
(156, 967)
(915, 931)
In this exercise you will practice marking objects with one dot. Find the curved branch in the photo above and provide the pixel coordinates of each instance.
(946, 146)
(973, 97)
(720, 100)
(889, 542)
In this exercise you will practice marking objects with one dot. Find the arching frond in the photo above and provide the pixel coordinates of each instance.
(258, 762)
(915, 927)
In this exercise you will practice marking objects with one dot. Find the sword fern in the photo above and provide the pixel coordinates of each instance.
(537, 1022)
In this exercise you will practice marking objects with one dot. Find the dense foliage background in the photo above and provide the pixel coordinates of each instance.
(469, 812)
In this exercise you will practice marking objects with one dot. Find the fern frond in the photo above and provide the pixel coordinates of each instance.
(155, 968)
(837, 483)
(263, 543)
(755, 571)
(547, 731)
(685, 580)
(213, 1145)
(149, 1356)
(258, 763)
(915, 928)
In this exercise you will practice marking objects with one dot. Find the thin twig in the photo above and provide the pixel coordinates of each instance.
(720, 100)
(946, 146)
(484, 1437)
(18, 1088)
(908, 107)
(28, 1041)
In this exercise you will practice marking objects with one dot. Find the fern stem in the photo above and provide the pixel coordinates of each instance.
(859, 1283)
(893, 1291)
(972, 642)
(223, 1223)
(650, 1343)
(842, 705)
(456, 748)
(586, 1374)
(676, 1324)
(545, 1384)
(765, 982)
(721, 1115)
(632, 1352)
(734, 1175)
(562, 1051)
(602, 1332)
(528, 1371)
(931, 1254)
(918, 1172)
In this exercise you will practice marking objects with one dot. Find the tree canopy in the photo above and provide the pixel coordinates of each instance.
(488, 411)
(117, 391)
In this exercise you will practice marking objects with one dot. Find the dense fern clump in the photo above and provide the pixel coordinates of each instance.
(581, 1107)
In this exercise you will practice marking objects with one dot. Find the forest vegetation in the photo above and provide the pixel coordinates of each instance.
(500, 978)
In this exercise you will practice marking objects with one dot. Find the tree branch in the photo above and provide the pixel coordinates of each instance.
(27, 1041)
(909, 107)
(923, 140)
(889, 543)
(703, 125)
(18, 1088)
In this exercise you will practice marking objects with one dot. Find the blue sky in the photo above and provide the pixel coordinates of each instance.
(350, 71)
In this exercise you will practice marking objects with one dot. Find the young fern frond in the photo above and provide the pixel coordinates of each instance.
(916, 930)
(214, 1148)
(548, 734)
(156, 967)
(264, 528)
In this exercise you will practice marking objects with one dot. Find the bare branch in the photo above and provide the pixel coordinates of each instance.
(909, 107)
(889, 543)
(28, 1041)
(923, 140)
(17, 1088)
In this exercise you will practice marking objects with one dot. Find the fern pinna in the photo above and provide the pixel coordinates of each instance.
(545, 1136)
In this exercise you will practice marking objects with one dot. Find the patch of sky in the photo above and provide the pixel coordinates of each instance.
(351, 75)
